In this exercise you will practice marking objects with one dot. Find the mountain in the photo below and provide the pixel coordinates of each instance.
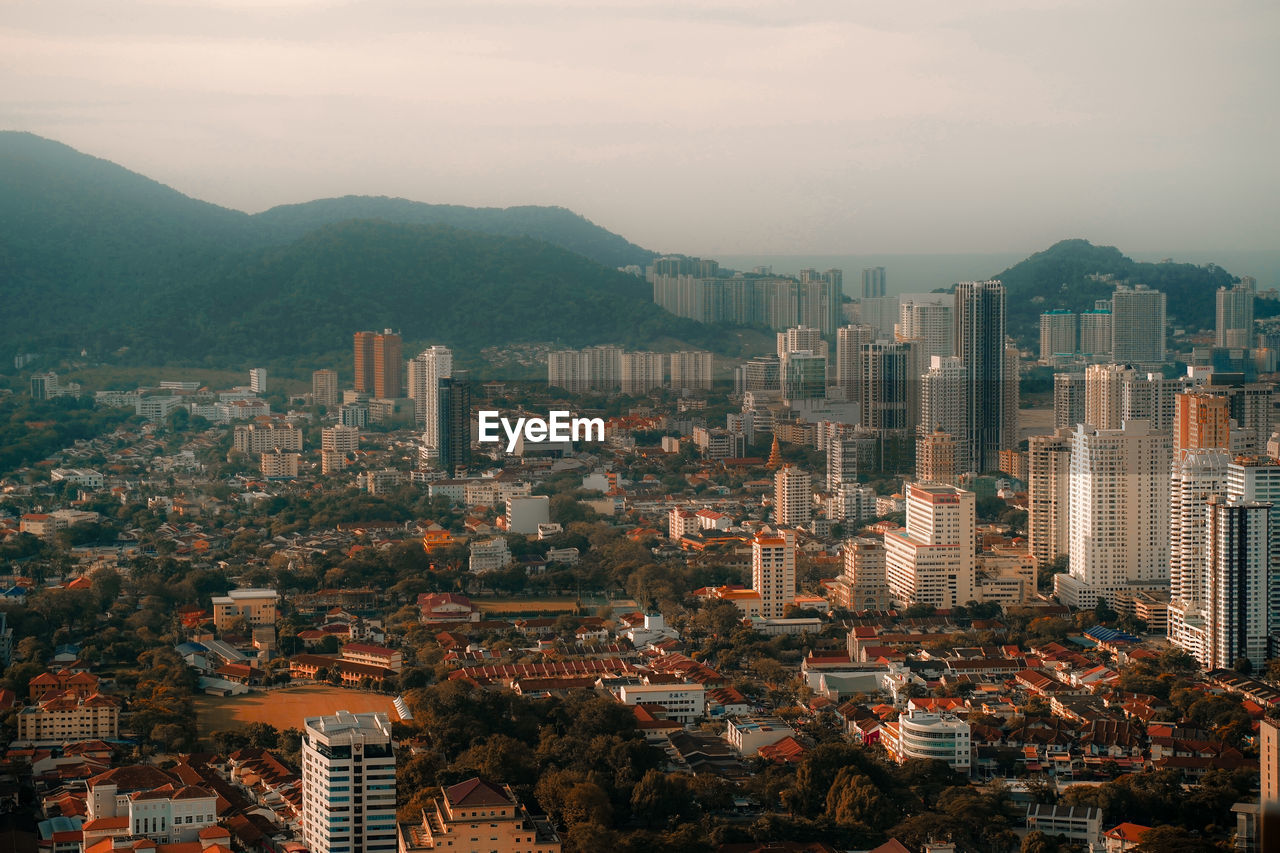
(1072, 274)
(95, 256)
(556, 225)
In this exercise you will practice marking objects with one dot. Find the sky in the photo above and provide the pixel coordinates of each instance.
(699, 126)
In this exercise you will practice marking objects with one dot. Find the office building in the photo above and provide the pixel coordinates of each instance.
(926, 319)
(944, 406)
(1048, 494)
(454, 431)
(324, 387)
(426, 369)
(1138, 326)
(1058, 336)
(1235, 317)
(773, 571)
(1119, 513)
(804, 377)
(873, 282)
(889, 383)
(691, 371)
(932, 737)
(792, 497)
(932, 559)
(980, 344)
(378, 364)
(348, 784)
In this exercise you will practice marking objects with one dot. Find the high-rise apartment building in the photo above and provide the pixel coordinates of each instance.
(1095, 334)
(378, 364)
(850, 343)
(1119, 512)
(1104, 394)
(862, 584)
(936, 458)
(1257, 479)
(792, 497)
(1138, 325)
(926, 320)
(640, 372)
(695, 288)
(1048, 494)
(258, 380)
(873, 282)
(1068, 400)
(980, 344)
(773, 571)
(1200, 422)
(348, 784)
(324, 387)
(426, 369)
(944, 406)
(1237, 553)
(1058, 336)
(1235, 317)
(593, 369)
(801, 339)
(1198, 475)
(932, 559)
(454, 433)
(1269, 765)
(848, 456)
(889, 383)
(691, 371)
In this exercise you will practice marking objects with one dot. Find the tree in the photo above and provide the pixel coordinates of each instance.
(1037, 842)
(1175, 839)
(658, 797)
(855, 799)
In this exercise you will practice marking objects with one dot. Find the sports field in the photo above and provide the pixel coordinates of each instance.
(285, 708)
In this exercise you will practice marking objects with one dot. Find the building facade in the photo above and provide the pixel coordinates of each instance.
(348, 784)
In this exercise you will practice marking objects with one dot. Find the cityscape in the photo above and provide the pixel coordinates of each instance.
(727, 426)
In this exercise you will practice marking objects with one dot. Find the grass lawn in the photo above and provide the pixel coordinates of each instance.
(285, 708)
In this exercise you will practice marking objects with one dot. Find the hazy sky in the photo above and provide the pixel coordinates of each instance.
(705, 127)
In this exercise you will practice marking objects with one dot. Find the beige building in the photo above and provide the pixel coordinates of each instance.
(862, 585)
(276, 465)
(478, 815)
(324, 387)
(1048, 473)
(931, 560)
(257, 606)
(936, 458)
(266, 437)
(65, 718)
(773, 571)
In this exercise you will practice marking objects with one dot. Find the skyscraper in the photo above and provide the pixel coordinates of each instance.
(348, 784)
(1095, 333)
(691, 371)
(1235, 317)
(1104, 394)
(378, 364)
(792, 497)
(1068, 400)
(944, 405)
(926, 319)
(1197, 476)
(873, 282)
(1138, 325)
(1257, 479)
(1048, 495)
(426, 369)
(640, 372)
(1119, 512)
(324, 387)
(258, 380)
(936, 458)
(773, 571)
(980, 344)
(454, 432)
(1237, 555)
(932, 559)
(850, 342)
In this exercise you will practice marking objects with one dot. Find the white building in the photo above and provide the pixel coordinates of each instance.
(685, 702)
(526, 512)
(1058, 336)
(1119, 516)
(773, 571)
(1048, 494)
(640, 372)
(86, 477)
(489, 555)
(426, 369)
(258, 380)
(931, 560)
(1138, 325)
(691, 371)
(941, 737)
(926, 319)
(792, 496)
(944, 404)
(1235, 317)
(863, 585)
(1197, 477)
(748, 734)
(348, 784)
(1258, 479)
(850, 341)
(340, 439)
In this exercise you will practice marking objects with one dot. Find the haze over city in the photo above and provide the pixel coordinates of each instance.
(700, 127)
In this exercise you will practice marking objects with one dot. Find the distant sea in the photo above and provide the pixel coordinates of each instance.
(922, 273)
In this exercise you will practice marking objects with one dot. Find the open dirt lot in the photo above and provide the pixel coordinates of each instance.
(285, 708)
